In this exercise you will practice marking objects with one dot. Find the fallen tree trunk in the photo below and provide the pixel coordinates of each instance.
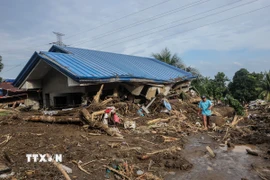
(103, 103)
(53, 119)
(99, 125)
(96, 98)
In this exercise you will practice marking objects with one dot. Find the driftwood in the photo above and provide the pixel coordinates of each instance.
(80, 167)
(236, 120)
(148, 155)
(103, 103)
(210, 151)
(8, 137)
(158, 120)
(118, 172)
(96, 114)
(97, 96)
(59, 167)
(97, 124)
(53, 119)
(169, 139)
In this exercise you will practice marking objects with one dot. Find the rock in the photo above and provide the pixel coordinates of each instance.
(139, 172)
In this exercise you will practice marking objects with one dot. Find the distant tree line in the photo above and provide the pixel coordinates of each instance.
(1, 67)
(243, 88)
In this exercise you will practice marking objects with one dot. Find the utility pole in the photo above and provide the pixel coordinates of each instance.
(59, 41)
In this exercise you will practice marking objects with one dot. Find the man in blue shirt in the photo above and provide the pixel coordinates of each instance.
(205, 107)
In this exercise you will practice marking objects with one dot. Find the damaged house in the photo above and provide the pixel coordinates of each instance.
(67, 76)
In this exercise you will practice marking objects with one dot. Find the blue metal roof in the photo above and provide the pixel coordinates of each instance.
(9, 80)
(85, 65)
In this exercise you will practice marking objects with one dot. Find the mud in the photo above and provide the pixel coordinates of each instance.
(192, 162)
(75, 143)
(229, 163)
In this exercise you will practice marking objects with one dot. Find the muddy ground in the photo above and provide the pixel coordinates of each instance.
(185, 158)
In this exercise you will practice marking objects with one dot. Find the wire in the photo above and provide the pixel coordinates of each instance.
(123, 17)
(163, 2)
(158, 16)
(215, 22)
(168, 23)
(15, 66)
(178, 25)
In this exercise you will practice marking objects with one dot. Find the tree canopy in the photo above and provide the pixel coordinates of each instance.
(1, 67)
(166, 56)
(245, 86)
(265, 86)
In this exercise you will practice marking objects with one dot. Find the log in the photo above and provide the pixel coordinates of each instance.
(211, 152)
(59, 167)
(252, 152)
(158, 120)
(53, 119)
(96, 114)
(96, 98)
(169, 139)
(97, 124)
(103, 103)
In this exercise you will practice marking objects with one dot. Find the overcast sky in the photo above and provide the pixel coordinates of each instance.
(197, 30)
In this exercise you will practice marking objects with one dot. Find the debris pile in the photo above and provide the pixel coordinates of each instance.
(127, 138)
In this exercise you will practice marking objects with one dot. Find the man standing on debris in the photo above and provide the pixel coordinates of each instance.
(205, 107)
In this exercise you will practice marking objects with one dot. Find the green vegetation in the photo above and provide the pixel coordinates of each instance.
(1, 67)
(167, 57)
(265, 87)
(244, 87)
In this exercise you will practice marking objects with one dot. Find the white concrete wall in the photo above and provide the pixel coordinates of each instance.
(33, 84)
(55, 83)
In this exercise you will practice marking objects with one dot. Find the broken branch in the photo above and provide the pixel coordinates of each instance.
(80, 167)
(97, 96)
(59, 166)
(99, 125)
(211, 152)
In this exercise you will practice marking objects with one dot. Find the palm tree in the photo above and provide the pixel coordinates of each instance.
(266, 86)
(193, 71)
(167, 57)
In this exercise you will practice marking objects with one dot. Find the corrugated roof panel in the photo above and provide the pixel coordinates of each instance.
(90, 64)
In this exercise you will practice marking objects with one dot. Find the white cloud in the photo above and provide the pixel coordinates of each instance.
(237, 63)
(28, 27)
